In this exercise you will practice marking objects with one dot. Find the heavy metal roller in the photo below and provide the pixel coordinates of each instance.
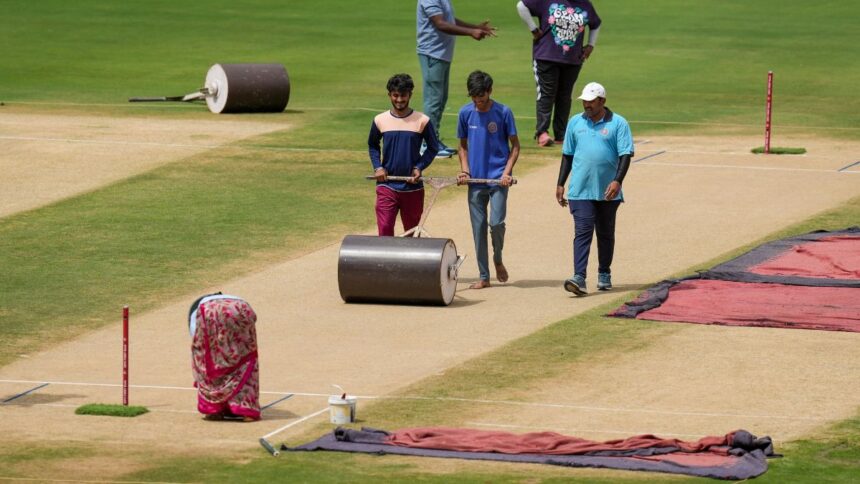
(239, 88)
(247, 88)
(405, 270)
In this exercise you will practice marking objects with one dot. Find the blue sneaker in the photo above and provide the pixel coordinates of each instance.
(576, 285)
(445, 152)
(604, 281)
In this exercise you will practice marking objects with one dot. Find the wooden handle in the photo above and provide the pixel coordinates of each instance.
(430, 179)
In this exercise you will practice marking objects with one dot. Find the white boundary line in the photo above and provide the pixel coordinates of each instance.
(69, 405)
(741, 167)
(733, 153)
(176, 145)
(469, 400)
(285, 427)
(108, 142)
(154, 387)
(337, 150)
(450, 114)
(90, 384)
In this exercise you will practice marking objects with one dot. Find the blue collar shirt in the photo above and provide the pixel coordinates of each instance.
(595, 147)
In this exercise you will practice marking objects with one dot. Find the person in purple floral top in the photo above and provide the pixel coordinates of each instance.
(224, 357)
(558, 52)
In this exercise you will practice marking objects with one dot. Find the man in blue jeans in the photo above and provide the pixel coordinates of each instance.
(597, 149)
(489, 148)
(436, 28)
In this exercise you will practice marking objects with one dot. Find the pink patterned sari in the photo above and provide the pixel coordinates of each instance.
(224, 359)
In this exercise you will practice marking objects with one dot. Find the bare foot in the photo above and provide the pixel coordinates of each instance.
(501, 273)
(480, 284)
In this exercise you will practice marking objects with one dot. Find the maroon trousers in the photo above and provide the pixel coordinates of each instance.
(389, 202)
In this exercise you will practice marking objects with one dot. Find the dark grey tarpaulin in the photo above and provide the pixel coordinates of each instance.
(746, 458)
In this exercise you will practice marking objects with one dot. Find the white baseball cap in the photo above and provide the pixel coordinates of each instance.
(592, 91)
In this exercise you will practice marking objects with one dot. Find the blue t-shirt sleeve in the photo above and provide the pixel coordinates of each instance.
(624, 138)
(462, 125)
(510, 123)
(373, 140)
(569, 146)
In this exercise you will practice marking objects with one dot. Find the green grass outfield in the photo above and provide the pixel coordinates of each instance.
(662, 61)
(669, 66)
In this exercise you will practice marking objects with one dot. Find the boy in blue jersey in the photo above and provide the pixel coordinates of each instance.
(401, 131)
(597, 149)
(489, 148)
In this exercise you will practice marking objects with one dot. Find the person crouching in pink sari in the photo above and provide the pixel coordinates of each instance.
(224, 357)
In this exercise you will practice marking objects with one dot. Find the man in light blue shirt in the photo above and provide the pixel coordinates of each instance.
(597, 150)
(436, 27)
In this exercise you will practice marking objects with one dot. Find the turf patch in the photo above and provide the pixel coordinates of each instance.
(776, 150)
(111, 410)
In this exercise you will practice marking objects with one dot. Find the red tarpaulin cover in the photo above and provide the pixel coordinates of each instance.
(552, 443)
(809, 281)
(738, 455)
(757, 304)
(828, 257)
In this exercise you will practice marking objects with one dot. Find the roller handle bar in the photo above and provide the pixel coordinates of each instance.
(471, 181)
(154, 99)
(194, 96)
(269, 447)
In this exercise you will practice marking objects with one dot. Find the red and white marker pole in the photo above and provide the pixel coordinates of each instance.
(768, 110)
(125, 355)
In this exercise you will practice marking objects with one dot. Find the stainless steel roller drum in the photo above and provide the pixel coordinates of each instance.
(247, 88)
(407, 270)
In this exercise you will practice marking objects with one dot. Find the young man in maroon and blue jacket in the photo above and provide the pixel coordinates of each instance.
(401, 130)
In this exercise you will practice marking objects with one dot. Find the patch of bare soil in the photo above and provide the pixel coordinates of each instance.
(49, 157)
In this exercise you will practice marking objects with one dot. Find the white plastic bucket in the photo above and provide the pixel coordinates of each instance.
(342, 409)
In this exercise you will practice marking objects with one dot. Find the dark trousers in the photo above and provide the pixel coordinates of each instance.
(554, 88)
(588, 216)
